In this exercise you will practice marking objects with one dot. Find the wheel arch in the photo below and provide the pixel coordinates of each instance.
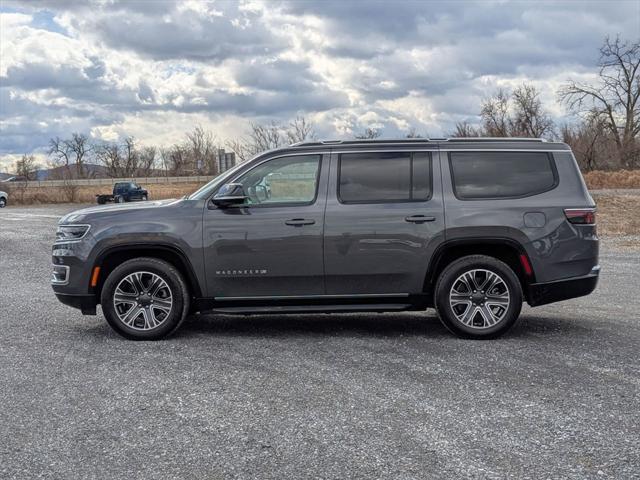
(504, 249)
(111, 257)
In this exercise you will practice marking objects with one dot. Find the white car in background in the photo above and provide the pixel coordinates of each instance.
(3, 199)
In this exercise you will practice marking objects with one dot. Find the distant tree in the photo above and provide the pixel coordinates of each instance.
(615, 98)
(529, 117)
(465, 129)
(27, 167)
(271, 135)
(590, 142)
(110, 155)
(71, 151)
(496, 119)
(147, 161)
(413, 133)
(203, 151)
(368, 134)
(300, 130)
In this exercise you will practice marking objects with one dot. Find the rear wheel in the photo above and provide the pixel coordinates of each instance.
(145, 299)
(478, 297)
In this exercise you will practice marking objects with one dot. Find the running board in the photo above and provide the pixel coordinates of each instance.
(371, 307)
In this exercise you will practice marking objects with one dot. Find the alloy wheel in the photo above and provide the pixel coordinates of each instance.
(143, 300)
(479, 298)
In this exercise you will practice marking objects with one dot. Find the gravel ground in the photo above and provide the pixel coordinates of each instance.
(314, 396)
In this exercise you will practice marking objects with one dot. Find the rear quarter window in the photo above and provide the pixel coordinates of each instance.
(485, 175)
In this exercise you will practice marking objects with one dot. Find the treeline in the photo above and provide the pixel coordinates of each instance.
(605, 133)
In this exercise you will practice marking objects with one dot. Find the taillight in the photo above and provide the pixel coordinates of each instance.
(581, 216)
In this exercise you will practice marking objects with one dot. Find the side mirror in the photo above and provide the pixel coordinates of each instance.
(229, 194)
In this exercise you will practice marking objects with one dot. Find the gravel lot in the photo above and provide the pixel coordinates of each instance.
(314, 396)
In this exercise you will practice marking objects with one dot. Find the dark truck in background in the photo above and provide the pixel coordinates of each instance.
(124, 192)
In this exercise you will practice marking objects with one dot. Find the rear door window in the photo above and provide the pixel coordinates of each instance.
(382, 177)
(478, 175)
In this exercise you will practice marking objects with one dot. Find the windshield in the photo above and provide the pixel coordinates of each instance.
(206, 190)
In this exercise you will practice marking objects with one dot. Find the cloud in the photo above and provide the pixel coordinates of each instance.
(156, 69)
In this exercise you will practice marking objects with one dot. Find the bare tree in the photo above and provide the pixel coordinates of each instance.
(495, 115)
(615, 96)
(529, 118)
(465, 129)
(368, 134)
(71, 151)
(27, 167)
(176, 159)
(147, 161)
(589, 142)
(264, 137)
(516, 114)
(110, 155)
(300, 130)
(413, 133)
(203, 151)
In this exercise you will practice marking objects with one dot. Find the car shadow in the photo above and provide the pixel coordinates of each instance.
(375, 325)
(363, 324)
(347, 325)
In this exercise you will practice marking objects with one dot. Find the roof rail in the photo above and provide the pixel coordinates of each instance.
(494, 139)
(415, 140)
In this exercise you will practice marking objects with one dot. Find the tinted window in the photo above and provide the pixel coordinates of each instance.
(501, 174)
(384, 177)
(282, 180)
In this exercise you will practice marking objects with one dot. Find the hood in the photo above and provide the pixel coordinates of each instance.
(85, 214)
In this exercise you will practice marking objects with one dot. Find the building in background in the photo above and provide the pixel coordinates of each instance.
(226, 160)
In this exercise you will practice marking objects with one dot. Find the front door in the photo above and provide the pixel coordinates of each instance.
(272, 245)
(384, 218)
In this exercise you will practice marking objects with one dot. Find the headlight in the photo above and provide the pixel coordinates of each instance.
(71, 233)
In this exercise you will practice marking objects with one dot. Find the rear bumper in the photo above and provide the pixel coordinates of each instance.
(85, 303)
(549, 292)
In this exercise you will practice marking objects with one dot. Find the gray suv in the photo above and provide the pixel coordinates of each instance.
(470, 227)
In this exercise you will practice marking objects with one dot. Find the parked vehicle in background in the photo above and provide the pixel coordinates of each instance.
(124, 192)
(3, 199)
(470, 227)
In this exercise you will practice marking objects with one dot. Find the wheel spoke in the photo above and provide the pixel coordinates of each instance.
(132, 315)
(149, 306)
(136, 281)
(486, 295)
(488, 316)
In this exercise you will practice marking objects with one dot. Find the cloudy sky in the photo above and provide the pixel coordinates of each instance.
(155, 69)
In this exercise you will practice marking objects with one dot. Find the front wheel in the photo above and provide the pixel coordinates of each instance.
(3, 202)
(478, 297)
(145, 299)
(145, 198)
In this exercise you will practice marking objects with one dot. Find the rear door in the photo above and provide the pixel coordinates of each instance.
(383, 220)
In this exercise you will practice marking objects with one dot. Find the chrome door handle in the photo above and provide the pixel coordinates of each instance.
(419, 218)
(298, 222)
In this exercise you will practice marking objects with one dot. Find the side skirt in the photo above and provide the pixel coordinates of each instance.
(313, 303)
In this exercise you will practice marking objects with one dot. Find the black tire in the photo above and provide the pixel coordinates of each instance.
(474, 323)
(177, 289)
(119, 199)
(3, 202)
(145, 198)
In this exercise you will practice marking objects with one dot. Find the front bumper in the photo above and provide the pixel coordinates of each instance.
(549, 292)
(84, 302)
